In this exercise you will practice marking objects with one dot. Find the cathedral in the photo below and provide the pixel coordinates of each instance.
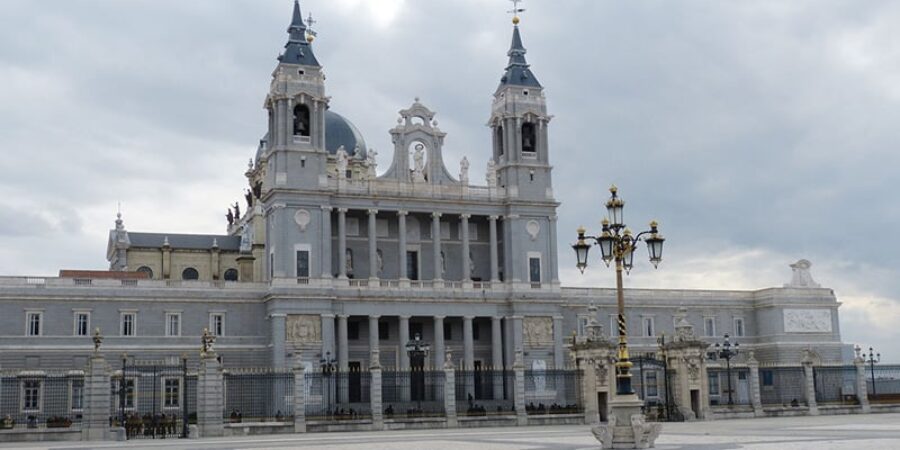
(331, 257)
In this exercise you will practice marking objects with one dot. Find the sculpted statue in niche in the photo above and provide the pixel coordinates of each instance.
(419, 162)
(538, 330)
(303, 328)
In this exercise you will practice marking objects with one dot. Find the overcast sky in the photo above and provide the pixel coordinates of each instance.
(757, 133)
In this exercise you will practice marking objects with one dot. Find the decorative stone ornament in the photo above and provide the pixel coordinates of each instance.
(302, 218)
(533, 228)
(801, 277)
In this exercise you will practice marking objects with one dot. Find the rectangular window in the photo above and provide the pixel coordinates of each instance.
(381, 228)
(738, 327)
(650, 381)
(129, 393)
(33, 321)
(129, 320)
(353, 330)
(709, 326)
(77, 391)
(768, 378)
(445, 231)
(534, 269)
(82, 323)
(172, 393)
(714, 384)
(583, 322)
(448, 331)
(647, 326)
(31, 395)
(412, 265)
(384, 332)
(173, 324)
(217, 324)
(302, 263)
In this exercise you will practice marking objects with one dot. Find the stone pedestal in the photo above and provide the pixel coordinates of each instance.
(755, 397)
(626, 427)
(299, 395)
(97, 398)
(519, 390)
(210, 396)
(862, 390)
(375, 395)
(810, 387)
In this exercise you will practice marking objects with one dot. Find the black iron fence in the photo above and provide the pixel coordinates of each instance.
(485, 392)
(152, 400)
(782, 386)
(835, 384)
(413, 393)
(41, 399)
(259, 395)
(556, 391)
(729, 387)
(338, 395)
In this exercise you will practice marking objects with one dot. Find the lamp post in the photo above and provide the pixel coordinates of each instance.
(417, 350)
(727, 351)
(617, 243)
(327, 363)
(874, 358)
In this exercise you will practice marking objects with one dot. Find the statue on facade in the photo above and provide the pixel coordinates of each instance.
(491, 173)
(230, 216)
(237, 211)
(419, 163)
(248, 196)
(257, 190)
(371, 163)
(464, 171)
(341, 162)
(801, 277)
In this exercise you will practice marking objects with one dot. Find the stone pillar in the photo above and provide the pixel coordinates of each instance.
(373, 333)
(554, 267)
(589, 388)
(519, 394)
(450, 391)
(373, 245)
(436, 241)
(810, 388)
(468, 344)
(277, 324)
(862, 390)
(342, 243)
(497, 356)
(438, 342)
(514, 268)
(517, 334)
(97, 399)
(299, 395)
(401, 247)
(495, 264)
(166, 259)
(755, 398)
(343, 346)
(211, 396)
(375, 398)
(466, 268)
(328, 335)
(558, 338)
(326, 242)
(402, 356)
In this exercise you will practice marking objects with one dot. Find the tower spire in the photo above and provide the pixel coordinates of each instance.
(518, 72)
(298, 49)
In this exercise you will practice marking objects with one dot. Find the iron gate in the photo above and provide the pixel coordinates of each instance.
(651, 381)
(153, 399)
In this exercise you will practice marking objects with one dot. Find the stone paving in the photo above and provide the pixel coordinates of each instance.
(870, 431)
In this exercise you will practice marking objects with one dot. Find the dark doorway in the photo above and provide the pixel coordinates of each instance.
(355, 382)
(695, 402)
(479, 385)
(417, 377)
(412, 265)
(603, 406)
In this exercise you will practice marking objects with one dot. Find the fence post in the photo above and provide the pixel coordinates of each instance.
(375, 397)
(450, 391)
(299, 394)
(862, 390)
(755, 398)
(210, 395)
(810, 387)
(519, 370)
(95, 419)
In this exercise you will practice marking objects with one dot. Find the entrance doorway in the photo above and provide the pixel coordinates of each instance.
(743, 391)
(355, 382)
(695, 402)
(412, 264)
(603, 406)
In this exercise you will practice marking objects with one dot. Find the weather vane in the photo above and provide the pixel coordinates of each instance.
(515, 11)
(310, 34)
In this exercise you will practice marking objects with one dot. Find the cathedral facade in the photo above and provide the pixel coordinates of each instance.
(333, 257)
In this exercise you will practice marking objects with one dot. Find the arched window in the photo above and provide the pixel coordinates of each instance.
(190, 274)
(147, 270)
(499, 137)
(301, 120)
(528, 138)
(230, 275)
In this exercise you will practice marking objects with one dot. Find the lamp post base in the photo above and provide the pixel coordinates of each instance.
(626, 427)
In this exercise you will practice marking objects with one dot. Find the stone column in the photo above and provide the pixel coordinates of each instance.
(519, 395)
(517, 334)
(862, 390)
(436, 241)
(343, 346)
(402, 356)
(558, 337)
(299, 395)
(554, 269)
(373, 245)
(277, 324)
(514, 267)
(438, 342)
(466, 268)
(373, 333)
(589, 388)
(342, 243)
(495, 264)
(468, 343)
(810, 388)
(375, 397)
(97, 399)
(210, 396)
(755, 398)
(401, 247)
(497, 356)
(328, 335)
(450, 391)
(326, 242)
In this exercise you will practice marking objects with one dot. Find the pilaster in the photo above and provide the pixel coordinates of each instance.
(375, 396)
(519, 394)
(450, 391)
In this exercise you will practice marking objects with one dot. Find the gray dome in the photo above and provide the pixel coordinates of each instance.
(340, 131)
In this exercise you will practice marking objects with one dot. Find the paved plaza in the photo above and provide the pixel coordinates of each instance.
(871, 431)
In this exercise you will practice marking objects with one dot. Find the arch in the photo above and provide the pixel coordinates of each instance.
(147, 270)
(529, 138)
(190, 274)
(498, 136)
(230, 275)
(301, 120)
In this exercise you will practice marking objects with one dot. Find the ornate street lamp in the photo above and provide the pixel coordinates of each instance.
(328, 366)
(617, 243)
(727, 351)
(874, 358)
(417, 350)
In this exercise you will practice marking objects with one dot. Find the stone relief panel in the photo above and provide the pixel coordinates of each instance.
(538, 330)
(303, 328)
(807, 320)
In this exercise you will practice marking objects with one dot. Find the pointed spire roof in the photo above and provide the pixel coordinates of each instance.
(298, 49)
(518, 72)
